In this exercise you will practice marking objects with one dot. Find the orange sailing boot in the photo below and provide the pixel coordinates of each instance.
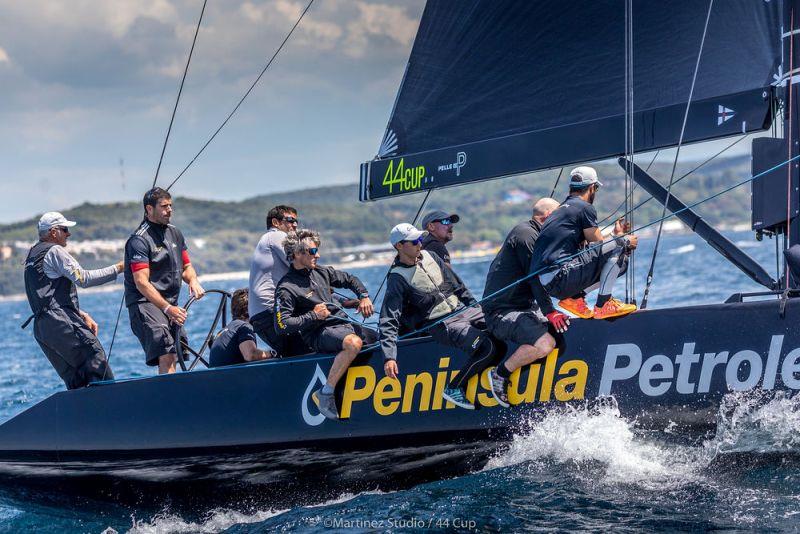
(613, 308)
(576, 307)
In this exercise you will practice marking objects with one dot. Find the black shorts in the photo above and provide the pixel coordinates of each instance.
(331, 338)
(286, 345)
(582, 272)
(521, 327)
(463, 331)
(154, 331)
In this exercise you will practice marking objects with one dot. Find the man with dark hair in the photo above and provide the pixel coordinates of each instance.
(568, 272)
(236, 343)
(66, 334)
(512, 313)
(267, 267)
(439, 225)
(422, 292)
(156, 260)
(303, 304)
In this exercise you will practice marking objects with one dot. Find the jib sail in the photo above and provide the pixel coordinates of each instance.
(500, 87)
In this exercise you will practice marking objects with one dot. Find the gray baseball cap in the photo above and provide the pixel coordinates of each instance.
(52, 219)
(405, 232)
(581, 177)
(438, 215)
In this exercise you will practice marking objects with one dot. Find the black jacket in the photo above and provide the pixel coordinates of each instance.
(404, 306)
(300, 290)
(511, 264)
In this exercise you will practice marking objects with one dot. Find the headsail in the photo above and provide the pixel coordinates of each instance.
(499, 87)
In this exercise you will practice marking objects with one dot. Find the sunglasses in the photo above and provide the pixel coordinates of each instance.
(445, 222)
(62, 228)
(312, 251)
(417, 241)
(291, 220)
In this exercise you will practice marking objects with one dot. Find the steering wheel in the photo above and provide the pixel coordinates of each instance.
(222, 313)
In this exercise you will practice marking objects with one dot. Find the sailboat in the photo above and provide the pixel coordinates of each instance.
(496, 88)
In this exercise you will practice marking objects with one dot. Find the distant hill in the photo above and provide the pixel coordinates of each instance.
(228, 231)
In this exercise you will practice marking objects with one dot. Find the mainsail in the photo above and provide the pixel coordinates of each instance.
(500, 87)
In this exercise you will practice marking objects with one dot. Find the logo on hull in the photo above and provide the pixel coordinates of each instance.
(317, 381)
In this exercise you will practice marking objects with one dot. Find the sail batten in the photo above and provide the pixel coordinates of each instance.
(498, 87)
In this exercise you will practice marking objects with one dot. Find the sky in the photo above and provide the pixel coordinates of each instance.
(88, 87)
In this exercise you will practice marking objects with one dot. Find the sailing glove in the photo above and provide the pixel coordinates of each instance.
(559, 321)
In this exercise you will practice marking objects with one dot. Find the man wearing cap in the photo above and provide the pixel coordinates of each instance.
(439, 226)
(422, 292)
(66, 334)
(156, 261)
(567, 271)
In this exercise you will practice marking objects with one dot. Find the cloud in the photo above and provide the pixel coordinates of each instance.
(4, 56)
(386, 21)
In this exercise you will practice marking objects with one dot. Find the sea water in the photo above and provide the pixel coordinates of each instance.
(573, 470)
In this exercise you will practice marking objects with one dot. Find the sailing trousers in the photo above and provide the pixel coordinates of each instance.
(585, 272)
(73, 350)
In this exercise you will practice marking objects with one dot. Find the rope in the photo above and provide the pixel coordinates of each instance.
(591, 247)
(180, 91)
(651, 271)
(246, 94)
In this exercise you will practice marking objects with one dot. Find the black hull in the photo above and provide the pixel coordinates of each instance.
(255, 424)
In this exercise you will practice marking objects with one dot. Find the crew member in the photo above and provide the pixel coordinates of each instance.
(421, 291)
(156, 260)
(268, 266)
(236, 343)
(439, 225)
(571, 227)
(512, 314)
(303, 304)
(66, 334)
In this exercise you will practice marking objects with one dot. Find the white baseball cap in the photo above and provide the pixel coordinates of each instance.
(405, 232)
(52, 219)
(581, 177)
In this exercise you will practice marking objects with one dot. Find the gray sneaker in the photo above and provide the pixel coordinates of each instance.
(457, 397)
(326, 404)
(499, 386)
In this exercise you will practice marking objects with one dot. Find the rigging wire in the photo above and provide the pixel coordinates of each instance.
(244, 97)
(180, 91)
(625, 200)
(651, 271)
(630, 278)
(413, 223)
(787, 238)
(585, 250)
(689, 173)
(555, 185)
(158, 167)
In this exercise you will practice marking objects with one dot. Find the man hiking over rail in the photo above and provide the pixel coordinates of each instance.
(511, 312)
(303, 302)
(568, 273)
(66, 334)
(421, 290)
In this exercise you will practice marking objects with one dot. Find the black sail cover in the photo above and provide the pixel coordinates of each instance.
(500, 87)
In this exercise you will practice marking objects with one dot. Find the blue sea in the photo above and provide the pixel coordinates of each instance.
(577, 470)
